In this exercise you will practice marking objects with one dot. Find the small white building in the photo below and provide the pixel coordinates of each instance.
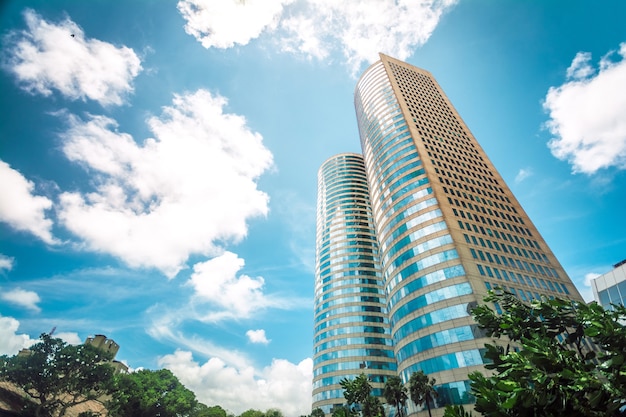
(610, 288)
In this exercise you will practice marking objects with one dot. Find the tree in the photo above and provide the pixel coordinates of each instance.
(395, 393)
(422, 390)
(357, 393)
(356, 390)
(372, 407)
(202, 410)
(317, 412)
(555, 358)
(147, 393)
(252, 413)
(273, 412)
(57, 375)
(342, 412)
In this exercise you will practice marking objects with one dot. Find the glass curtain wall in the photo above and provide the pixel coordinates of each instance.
(351, 324)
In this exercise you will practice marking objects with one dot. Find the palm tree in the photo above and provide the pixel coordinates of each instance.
(395, 394)
(422, 390)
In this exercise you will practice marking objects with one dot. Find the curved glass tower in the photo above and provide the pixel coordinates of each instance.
(447, 226)
(351, 323)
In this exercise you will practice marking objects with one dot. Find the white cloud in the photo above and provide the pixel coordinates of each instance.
(224, 23)
(257, 336)
(282, 385)
(69, 337)
(184, 192)
(523, 174)
(590, 277)
(580, 67)
(6, 263)
(587, 114)
(10, 341)
(164, 329)
(19, 208)
(230, 296)
(50, 56)
(358, 29)
(22, 298)
(585, 289)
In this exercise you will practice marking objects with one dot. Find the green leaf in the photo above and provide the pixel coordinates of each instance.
(507, 386)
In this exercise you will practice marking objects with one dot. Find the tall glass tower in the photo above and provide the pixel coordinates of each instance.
(351, 324)
(447, 226)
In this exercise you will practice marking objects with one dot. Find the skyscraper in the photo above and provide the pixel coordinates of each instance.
(351, 323)
(447, 227)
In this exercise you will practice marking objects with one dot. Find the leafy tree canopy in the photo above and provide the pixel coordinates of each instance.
(252, 413)
(148, 393)
(273, 412)
(357, 393)
(205, 411)
(571, 361)
(57, 375)
(342, 412)
(317, 412)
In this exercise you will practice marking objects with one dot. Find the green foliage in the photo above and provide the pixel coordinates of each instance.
(57, 375)
(356, 390)
(202, 410)
(252, 413)
(273, 412)
(558, 371)
(422, 389)
(317, 412)
(342, 412)
(396, 394)
(148, 393)
(357, 393)
(372, 407)
(456, 411)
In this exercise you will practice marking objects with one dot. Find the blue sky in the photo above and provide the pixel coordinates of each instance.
(158, 162)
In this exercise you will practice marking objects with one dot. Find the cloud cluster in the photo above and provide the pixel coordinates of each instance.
(282, 385)
(48, 57)
(10, 341)
(22, 298)
(22, 210)
(222, 24)
(357, 29)
(217, 283)
(182, 192)
(257, 336)
(6, 263)
(587, 113)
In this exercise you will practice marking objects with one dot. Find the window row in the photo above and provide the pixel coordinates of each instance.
(432, 297)
(351, 341)
(424, 263)
(428, 319)
(350, 319)
(546, 285)
(446, 362)
(442, 338)
(343, 366)
(353, 353)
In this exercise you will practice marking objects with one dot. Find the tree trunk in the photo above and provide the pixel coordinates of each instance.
(428, 406)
